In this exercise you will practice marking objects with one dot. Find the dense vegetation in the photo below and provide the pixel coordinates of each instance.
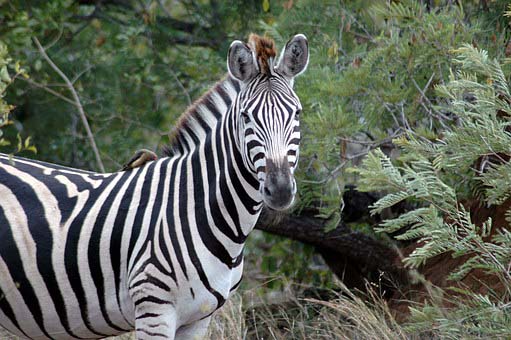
(407, 101)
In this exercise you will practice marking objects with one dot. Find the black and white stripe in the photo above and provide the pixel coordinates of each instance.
(157, 248)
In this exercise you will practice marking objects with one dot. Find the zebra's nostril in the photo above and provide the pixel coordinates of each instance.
(267, 191)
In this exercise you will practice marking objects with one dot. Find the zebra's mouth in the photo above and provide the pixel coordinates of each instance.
(280, 207)
(279, 195)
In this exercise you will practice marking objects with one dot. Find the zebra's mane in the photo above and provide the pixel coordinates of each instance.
(264, 51)
(193, 114)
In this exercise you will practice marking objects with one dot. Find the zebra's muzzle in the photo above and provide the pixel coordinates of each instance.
(279, 187)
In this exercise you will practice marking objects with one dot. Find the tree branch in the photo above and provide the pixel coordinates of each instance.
(77, 102)
(49, 90)
(347, 252)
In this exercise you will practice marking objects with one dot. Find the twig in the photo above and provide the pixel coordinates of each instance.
(403, 117)
(49, 90)
(183, 88)
(76, 100)
(371, 143)
(345, 159)
(164, 9)
(396, 121)
(117, 164)
(174, 75)
(367, 34)
(422, 91)
(81, 73)
(141, 3)
(61, 30)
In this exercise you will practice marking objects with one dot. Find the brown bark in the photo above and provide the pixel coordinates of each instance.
(353, 256)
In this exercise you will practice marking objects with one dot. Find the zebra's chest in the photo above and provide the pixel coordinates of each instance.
(199, 302)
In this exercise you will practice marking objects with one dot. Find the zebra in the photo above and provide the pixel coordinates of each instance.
(157, 248)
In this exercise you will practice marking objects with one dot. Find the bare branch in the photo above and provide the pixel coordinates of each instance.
(370, 143)
(431, 110)
(49, 90)
(81, 73)
(367, 35)
(181, 86)
(77, 102)
(57, 38)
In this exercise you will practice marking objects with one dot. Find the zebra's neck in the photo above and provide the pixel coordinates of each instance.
(202, 117)
(207, 134)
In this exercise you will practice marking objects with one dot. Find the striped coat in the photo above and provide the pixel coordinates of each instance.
(158, 248)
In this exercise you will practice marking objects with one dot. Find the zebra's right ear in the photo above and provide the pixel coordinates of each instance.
(241, 62)
(294, 59)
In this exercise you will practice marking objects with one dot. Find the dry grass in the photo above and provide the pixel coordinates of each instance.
(348, 315)
(345, 317)
(351, 317)
(229, 322)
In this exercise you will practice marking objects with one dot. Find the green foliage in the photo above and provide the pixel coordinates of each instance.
(474, 317)
(373, 68)
(434, 173)
(136, 66)
(5, 80)
(5, 109)
(280, 260)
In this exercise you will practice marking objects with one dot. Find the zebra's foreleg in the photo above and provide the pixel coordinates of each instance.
(194, 331)
(155, 321)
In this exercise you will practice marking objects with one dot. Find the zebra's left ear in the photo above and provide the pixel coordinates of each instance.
(295, 57)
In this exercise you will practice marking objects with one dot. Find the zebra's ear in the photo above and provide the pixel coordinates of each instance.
(295, 57)
(241, 62)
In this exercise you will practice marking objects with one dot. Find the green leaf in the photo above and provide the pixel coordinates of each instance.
(4, 75)
(266, 5)
(31, 148)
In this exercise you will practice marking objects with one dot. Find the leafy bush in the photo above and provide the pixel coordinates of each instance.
(6, 80)
(436, 174)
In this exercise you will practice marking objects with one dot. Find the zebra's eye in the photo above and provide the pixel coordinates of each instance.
(246, 118)
(297, 114)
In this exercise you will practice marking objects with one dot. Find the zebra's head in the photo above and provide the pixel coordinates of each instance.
(267, 112)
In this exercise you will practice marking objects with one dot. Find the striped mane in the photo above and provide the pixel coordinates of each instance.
(194, 114)
(264, 51)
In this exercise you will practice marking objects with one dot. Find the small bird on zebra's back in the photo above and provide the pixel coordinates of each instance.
(140, 158)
